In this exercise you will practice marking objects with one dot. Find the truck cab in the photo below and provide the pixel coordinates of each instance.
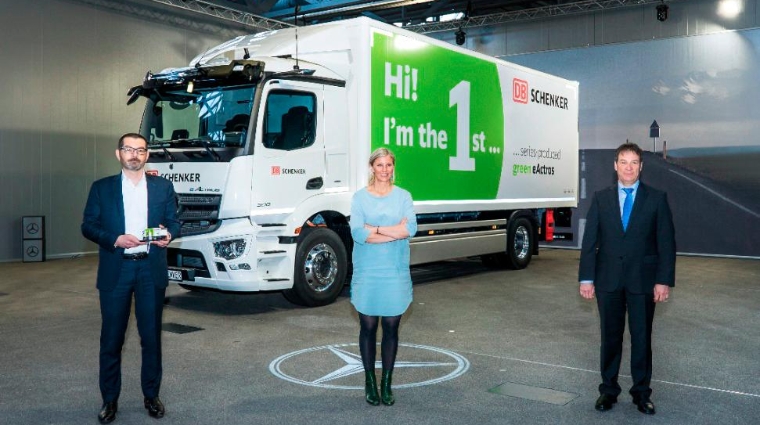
(243, 142)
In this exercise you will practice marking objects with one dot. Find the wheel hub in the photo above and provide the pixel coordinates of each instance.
(321, 267)
(522, 242)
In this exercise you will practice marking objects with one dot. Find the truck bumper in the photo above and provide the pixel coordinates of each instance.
(238, 257)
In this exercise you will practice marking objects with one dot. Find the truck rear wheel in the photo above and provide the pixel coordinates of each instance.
(320, 269)
(519, 243)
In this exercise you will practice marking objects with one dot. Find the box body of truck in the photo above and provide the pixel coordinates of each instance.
(267, 137)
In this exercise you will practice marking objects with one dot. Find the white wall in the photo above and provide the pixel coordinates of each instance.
(64, 74)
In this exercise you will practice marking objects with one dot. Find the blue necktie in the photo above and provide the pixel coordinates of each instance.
(627, 206)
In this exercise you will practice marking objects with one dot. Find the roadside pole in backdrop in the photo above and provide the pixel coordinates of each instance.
(654, 133)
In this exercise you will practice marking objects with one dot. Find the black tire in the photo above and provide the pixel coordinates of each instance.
(519, 243)
(320, 269)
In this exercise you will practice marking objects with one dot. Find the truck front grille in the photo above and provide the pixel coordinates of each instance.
(189, 215)
(199, 199)
(199, 213)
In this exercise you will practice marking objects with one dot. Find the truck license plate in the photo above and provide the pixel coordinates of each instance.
(175, 275)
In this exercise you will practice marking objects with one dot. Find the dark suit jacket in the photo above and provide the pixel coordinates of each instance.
(104, 222)
(636, 259)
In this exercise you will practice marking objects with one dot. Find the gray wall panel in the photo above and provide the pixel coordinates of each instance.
(487, 39)
(621, 25)
(527, 37)
(66, 71)
(571, 31)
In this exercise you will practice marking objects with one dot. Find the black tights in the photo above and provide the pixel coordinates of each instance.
(368, 340)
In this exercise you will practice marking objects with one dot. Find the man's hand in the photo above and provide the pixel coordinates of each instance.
(162, 243)
(661, 293)
(587, 290)
(128, 241)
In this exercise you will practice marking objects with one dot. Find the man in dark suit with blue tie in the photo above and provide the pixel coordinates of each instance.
(119, 208)
(628, 258)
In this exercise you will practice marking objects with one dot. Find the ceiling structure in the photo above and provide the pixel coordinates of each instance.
(427, 13)
(405, 12)
(420, 15)
(417, 15)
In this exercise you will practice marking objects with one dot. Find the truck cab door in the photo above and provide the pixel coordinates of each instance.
(289, 159)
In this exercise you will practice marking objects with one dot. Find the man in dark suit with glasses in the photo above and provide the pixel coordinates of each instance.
(119, 208)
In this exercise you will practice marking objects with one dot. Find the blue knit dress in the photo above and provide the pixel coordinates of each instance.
(381, 283)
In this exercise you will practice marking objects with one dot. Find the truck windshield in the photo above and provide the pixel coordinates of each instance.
(207, 124)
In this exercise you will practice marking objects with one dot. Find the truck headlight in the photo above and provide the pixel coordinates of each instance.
(229, 249)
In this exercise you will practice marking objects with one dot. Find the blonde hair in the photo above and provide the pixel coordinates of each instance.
(379, 153)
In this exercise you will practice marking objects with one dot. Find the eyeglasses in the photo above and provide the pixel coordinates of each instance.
(128, 149)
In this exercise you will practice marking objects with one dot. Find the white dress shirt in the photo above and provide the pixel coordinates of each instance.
(135, 197)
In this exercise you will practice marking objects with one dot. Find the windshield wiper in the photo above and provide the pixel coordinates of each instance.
(210, 151)
(203, 141)
(162, 145)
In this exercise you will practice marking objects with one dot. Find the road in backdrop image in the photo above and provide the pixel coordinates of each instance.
(710, 217)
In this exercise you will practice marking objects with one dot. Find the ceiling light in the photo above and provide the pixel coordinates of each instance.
(729, 8)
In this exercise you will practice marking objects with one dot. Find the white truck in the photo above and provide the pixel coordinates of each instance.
(266, 138)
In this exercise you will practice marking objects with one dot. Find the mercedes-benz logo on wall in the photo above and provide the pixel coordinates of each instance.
(32, 228)
(32, 251)
(339, 366)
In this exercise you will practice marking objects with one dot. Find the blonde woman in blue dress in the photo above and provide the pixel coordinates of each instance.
(382, 221)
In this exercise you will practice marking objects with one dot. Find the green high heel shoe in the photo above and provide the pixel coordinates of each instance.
(370, 388)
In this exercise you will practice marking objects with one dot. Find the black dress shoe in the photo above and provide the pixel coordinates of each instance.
(645, 405)
(155, 407)
(108, 412)
(605, 402)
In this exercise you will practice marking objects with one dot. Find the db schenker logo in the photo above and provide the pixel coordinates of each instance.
(519, 90)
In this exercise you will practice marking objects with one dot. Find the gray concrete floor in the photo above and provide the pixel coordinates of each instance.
(524, 328)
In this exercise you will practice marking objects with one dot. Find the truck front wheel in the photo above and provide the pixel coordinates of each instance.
(519, 243)
(320, 269)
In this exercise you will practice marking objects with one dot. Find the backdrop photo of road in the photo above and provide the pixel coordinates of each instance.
(738, 173)
(702, 92)
(710, 216)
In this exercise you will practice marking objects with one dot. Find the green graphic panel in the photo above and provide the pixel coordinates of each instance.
(440, 112)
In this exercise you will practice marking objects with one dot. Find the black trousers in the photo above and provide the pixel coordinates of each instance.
(115, 306)
(612, 312)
